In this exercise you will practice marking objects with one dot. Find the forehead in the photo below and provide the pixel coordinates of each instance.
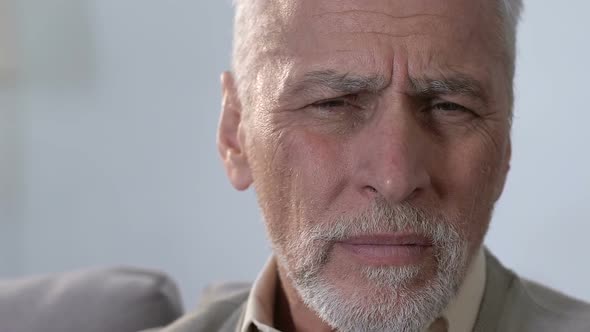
(310, 21)
(372, 37)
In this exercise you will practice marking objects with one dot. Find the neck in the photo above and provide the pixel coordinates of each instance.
(291, 314)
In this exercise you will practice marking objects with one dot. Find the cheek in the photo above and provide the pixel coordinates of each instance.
(320, 167)
(470, 180)
(301, 175)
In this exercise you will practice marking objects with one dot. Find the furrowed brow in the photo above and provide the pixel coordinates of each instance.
(458, 85)
(320, 81)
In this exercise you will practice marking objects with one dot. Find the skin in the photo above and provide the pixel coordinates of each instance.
(313, 153)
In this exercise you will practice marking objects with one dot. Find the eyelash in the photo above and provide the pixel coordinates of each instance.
(331, 104)
(334, 103)
(447, 106)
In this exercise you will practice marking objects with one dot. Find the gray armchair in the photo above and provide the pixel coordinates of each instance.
(99, 300)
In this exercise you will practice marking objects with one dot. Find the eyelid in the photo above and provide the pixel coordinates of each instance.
(475, 105)
(445, 102)
(346, 99)
(454, 100)
(458, 110)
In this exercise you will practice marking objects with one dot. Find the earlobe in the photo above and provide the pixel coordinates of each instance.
(230, 136)
(509, 156)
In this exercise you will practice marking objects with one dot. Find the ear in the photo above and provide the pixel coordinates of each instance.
(508, 157)
(230, 136)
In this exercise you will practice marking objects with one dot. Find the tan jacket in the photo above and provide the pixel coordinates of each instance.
(510, 304)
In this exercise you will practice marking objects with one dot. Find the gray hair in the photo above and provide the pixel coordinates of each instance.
(246, 48)
(509, 13)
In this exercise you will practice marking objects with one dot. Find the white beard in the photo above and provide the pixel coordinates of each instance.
(385, 302)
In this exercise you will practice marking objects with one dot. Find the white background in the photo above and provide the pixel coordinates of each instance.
(107, 145)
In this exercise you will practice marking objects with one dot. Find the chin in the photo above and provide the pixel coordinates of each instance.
(364, 307)
(380, 298)
(356, 279)
(352, 296)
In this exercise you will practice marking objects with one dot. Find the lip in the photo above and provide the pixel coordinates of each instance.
(398, 249)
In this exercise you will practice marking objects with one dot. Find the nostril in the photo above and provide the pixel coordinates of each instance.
(371, 189)
(414, 193)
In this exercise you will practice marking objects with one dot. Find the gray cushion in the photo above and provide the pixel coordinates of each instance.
(99, 300)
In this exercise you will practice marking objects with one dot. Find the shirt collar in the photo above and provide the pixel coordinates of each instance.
(261, 302)
(461, 313)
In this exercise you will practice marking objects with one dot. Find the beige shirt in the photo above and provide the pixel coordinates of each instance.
(460, 315)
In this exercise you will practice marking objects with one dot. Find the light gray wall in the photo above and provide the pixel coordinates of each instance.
(543, 220)
(10, 149)
(118, 107)
(119, 103)
(10, 183)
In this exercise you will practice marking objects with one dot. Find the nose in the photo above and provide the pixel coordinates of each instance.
(393, 156)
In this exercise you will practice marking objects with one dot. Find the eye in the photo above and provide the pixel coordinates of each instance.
(449, 107)
(330, 104)
(333, 104)
(340, 103)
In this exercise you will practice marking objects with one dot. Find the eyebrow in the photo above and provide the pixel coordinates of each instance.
(460, 84)
(344, 83)
(347, 83)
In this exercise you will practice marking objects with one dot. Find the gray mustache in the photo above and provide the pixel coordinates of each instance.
(383, 218)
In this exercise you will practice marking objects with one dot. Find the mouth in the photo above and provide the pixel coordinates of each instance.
(392, 249)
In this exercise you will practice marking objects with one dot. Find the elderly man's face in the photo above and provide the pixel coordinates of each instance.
(377, 138)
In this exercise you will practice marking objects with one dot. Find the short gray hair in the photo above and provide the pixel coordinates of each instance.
(246, 47)
(509, 12)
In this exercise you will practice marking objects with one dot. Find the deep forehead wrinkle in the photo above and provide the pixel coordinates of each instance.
(375, 12)
(367, 20)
